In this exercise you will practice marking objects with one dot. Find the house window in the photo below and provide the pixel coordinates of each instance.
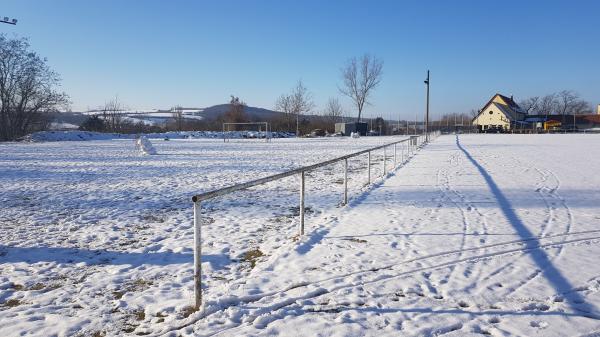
(491, 112)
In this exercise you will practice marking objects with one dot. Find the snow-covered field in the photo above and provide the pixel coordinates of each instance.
(475, 234)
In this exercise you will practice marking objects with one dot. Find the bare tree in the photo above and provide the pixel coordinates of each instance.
(298, 102)
(333, 110)
(581, 107)
(112, 113)
(547, 105)
(27, 89)
(236, 113)
(177, 113)
(566, 102)
(530, 105)
(284, 104)
(570, 103)
(360, 77)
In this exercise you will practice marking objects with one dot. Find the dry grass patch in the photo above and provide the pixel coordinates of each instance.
(252, 256)
(136, 285)
(13, 302)
(139, 315)
(187, 311)
(37, 286)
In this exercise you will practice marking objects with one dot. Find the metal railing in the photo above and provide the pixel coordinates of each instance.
(413, 143)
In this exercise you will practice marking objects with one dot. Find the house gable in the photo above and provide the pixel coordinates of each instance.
(493, 114)
(499, 111)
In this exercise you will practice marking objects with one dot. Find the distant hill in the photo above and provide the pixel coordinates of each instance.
(253, 113)
(159, 116)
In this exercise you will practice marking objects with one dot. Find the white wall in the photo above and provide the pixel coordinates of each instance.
(496, 117)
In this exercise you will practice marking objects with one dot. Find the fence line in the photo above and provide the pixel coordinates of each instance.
(414, 142)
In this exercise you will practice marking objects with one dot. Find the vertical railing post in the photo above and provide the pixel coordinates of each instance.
(369, 168)
(346, 181)
(402, 152)
(197, 257)
(301, 203)
(395, 162)
(383, 162)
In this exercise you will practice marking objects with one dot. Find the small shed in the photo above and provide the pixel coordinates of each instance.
(347, 128)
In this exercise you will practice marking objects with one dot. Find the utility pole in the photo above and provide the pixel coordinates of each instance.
(9, 21)
(427, 110)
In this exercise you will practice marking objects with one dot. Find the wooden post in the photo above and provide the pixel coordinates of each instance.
(197, 257)
(301, 203)
(346, 181)
(395, 155)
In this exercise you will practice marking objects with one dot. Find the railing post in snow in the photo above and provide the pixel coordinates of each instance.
(402, 152)
(346, 181)
(383, 162)
(369, 168)
(301, 203)
(395, 155)
(197, 257)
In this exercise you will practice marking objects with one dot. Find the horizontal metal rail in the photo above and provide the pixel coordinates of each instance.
(413, 143)
(260, 181)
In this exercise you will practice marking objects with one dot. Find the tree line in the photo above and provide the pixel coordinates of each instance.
(566, 102)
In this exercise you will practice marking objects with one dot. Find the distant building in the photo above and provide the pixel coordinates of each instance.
(347, 128)
(500, 113)
(598, 109)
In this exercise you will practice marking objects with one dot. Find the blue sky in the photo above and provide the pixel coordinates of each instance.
(156, 54)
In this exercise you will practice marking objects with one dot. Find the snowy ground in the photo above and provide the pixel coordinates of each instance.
(92, 234)
(476, 234)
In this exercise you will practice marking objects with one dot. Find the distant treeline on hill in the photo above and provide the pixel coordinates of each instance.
(209, 119)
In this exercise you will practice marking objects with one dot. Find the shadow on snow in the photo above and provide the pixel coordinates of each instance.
(67, 255)
(554, 277)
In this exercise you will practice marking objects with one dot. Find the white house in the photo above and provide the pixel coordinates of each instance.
(499, 113)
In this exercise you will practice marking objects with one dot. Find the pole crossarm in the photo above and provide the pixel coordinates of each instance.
(6, 19)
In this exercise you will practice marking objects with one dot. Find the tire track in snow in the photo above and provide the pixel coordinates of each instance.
(223, 305)
(270, 313)
(541, 188)
(444, 186)
(552, 192)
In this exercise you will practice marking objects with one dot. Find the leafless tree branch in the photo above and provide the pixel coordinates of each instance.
(360, 78)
